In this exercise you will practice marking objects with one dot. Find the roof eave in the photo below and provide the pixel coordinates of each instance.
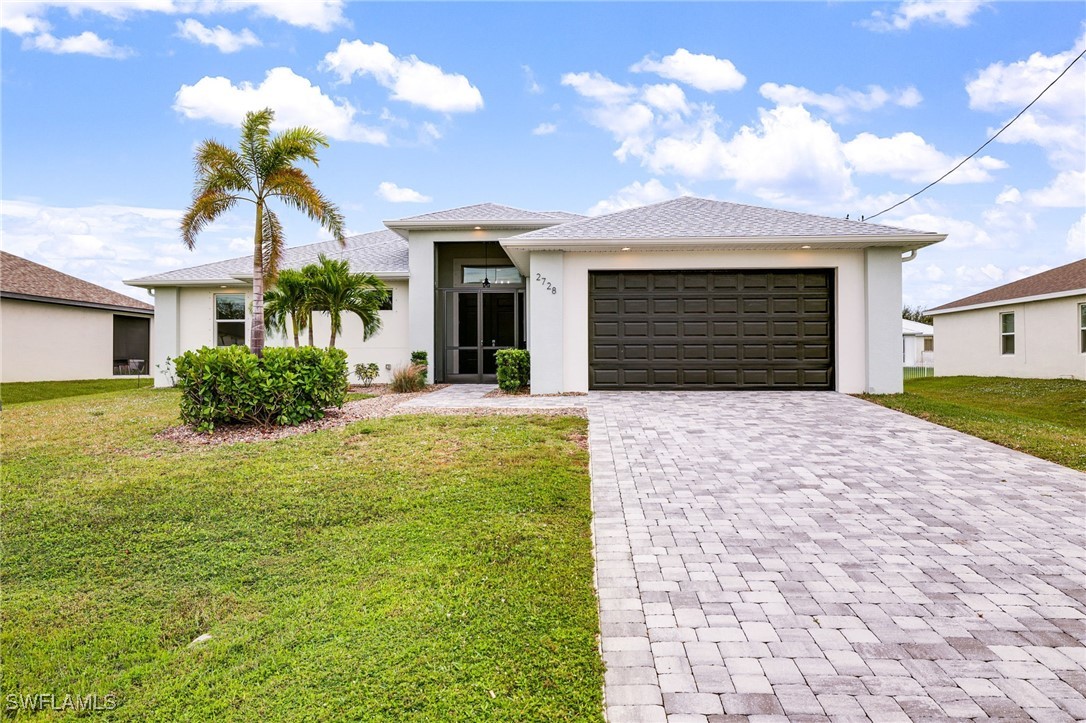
(532, 224)
(905, 242)
(1008, 302)
(14, 296)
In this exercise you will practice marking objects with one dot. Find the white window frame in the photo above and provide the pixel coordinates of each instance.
(1082, 328)
(1003, 334)
(215, 320)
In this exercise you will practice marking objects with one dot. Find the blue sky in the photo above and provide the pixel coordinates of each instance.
(828, 108)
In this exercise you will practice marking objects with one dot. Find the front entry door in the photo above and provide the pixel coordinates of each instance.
(478, 323)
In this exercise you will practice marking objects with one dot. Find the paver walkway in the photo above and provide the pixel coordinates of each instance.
(810, 556)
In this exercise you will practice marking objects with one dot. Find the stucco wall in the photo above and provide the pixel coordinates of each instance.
(564, 316)
(1046, 341)
(51, 342)
(187, 314)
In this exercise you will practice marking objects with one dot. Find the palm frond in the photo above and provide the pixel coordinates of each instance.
(255, 130)
(219, 167)
(272, 244)
(336, 290)
(205, 208)
(292, 145)
(293, 187)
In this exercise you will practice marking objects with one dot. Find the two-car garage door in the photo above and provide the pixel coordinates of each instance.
(770, 329)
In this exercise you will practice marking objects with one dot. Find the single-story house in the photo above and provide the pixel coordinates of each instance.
(1034, 327)
(689, 293)
(917, 344)
(55, 327)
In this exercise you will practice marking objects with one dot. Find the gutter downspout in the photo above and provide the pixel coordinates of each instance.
(910, 257)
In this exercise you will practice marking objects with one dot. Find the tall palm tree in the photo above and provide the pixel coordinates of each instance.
(289, 298)
(336, 290)
(263, 169)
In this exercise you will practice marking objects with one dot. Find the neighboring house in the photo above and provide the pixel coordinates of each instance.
(917, 344)
(1034, 327)
(686, 294)
(54, 326)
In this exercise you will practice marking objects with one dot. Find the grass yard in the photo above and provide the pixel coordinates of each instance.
(22, 392)
(1042, 417)
(410, 568)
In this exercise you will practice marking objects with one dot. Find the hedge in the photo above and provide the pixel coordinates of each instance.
(514, 369)
(287, 386)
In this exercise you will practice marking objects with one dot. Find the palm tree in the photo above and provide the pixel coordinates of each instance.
(290, 297)
(336, 290)
(262, 170)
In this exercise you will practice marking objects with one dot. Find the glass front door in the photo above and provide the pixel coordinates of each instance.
(477, 324)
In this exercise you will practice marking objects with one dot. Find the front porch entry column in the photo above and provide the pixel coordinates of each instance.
(545, 314)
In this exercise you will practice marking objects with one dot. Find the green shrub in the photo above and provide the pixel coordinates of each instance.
(366, 373)
(287, 386)
(408, 378)
(419, 358)
(514, 369)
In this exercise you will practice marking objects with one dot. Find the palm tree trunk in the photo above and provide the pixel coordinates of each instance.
(311, 328)
(294, 328)
(256, 334)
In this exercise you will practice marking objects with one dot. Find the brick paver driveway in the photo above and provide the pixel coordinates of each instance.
(812, 556)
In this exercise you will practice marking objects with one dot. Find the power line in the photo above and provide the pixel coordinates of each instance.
(970, 156)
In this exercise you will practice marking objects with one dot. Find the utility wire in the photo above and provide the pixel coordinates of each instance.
(970, 156)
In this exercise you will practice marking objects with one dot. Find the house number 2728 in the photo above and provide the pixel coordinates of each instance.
(546, 284)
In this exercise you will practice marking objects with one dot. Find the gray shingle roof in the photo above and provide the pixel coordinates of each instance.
(487, 212)
(690, 217)
(1069, 277)
(22, 278)
(378, 252)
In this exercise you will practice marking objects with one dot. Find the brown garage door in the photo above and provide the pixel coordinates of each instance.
(711, 330)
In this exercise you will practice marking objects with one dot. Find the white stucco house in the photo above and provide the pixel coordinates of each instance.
(56, 327)
(686, 294)
(917, 344)
(1034, 327)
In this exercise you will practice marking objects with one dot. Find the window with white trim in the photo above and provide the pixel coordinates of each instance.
(1082, 328)
(229, 319)
(1006, 332)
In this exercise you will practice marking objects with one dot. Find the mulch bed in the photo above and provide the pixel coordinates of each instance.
(384, 403)
(381, 405)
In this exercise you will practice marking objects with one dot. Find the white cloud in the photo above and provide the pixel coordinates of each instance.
(530, 83)
(24, 18)
(544, 129)
(391, 192)
(1056, 121)
(954, 13)
(787, 156)
(666, 97)
(410, 79)
(843, 102)
(1009, 195)
(86, 43)
(933, 273)
(225, 40)
(1076, 238)
(598, 87)
(294, 99)
(960, 233)
(1067, 190)
(909, 157)
(704, 72)
(637, 194)
(106, 243)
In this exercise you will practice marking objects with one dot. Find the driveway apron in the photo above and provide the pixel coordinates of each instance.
(811, 556)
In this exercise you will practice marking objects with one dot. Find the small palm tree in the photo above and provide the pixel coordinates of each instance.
(262, 170)
(289, 298)
(336, 290)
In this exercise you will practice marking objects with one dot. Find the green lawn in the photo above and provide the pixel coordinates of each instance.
(1043, 417)
(411, 568)
(22, 392)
